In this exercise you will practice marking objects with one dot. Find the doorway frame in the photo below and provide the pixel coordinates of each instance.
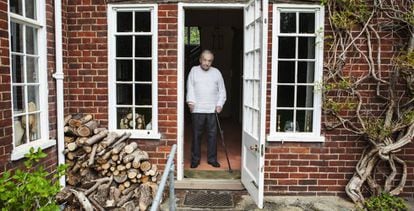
(180, 71)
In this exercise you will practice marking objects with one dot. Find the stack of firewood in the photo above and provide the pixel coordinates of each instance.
(105, 171)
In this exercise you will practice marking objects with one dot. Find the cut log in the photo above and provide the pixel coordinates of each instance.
(96, 137)
(142, 156)
(128, 165)
(83, 200)
(120, 167)
(91, 160)
(98, 130)
(115, 157)
(130, 147)
(145, 166)
(145, 198)
(130, 157)
(67, 118)
(130, 189)
(96, 204)
(69, 139)
(97, 184)
(110, 139)
(70, 131)
(118, 148)
(124, 199)
(81, 140)
(120, 179)
(127, 184)
(87, 149)
(129, 206)
(122, 138)
(144, 179)
(72, 147)
(87, 128)
(152, 171)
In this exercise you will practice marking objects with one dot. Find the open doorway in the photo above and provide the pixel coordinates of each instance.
(221, 31)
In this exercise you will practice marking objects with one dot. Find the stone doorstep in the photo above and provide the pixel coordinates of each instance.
(207, 184)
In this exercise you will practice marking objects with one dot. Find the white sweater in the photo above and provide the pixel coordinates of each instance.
(205, 89)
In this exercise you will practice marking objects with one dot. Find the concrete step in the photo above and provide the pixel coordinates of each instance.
(209, 184)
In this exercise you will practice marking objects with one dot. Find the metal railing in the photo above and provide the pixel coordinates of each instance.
(168, 172)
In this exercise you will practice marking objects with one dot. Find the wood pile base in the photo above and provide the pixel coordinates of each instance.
(105, 170)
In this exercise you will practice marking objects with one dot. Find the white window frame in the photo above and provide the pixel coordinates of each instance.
(112, 20)
(18, 152)
(315, 135)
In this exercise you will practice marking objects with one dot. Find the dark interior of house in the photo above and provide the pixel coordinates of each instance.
(221, 31)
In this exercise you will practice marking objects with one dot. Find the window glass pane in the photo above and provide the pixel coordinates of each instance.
(124, 70)
(19, 131)
(306, 22)
(124, 118)
(18, 99)
(285, 96)
(30, 6)
(306, 48)
(124, 46)
(124, 21)
(284, 119)
(287, 47)
(286, 72)
(32, 70)
(143, 94)
(142, 21)
(17, 69)
(33, 98)
(287, 22)
(143, 118)
(16, 6)
(34, 127)
(16, 37)
(306, 72)
(124, 94)
(305, 96)
(143, 46)
(143, 70)
(31, 40)
(305, 120)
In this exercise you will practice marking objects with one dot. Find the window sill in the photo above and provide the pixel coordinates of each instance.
(145, 134)
(292, 137)
(19, 152)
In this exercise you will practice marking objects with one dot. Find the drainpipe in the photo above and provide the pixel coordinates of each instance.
(59, 87)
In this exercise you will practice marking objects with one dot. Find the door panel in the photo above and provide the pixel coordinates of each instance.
(254, 84)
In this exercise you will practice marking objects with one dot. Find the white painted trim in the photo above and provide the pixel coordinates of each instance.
(20, 151)
(314, 136)
(180, 74)
(112, 9)
(59, 76)
(180, 91)
(40, 24)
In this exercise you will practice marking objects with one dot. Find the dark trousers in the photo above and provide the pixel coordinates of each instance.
(200, 122)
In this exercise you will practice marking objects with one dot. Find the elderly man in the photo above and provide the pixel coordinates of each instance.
(206, 95)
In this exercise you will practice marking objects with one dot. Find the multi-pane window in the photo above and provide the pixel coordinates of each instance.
(29, 81)
(297, 67)
(133, 73)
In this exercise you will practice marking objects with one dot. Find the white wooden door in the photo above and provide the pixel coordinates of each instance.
(254, 98)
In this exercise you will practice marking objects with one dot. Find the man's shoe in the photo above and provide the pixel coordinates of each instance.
(214, 164)
(194, 165)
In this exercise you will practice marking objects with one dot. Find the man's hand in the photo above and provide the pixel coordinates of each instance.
(218, 109)
(191, 106)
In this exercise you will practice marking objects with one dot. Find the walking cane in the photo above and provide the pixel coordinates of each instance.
(222, 142)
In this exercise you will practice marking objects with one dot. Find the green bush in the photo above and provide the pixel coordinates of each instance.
(385, 202)
(29, 189)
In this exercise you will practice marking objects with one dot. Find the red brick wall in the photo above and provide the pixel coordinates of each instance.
(317, 168)
(5, 93)
(6, 140)
(86, 58)
(86, 68)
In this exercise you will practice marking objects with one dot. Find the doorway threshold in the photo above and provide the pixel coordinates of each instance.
(209, 184)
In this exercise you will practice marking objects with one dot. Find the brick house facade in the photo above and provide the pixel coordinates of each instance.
(290, 168)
